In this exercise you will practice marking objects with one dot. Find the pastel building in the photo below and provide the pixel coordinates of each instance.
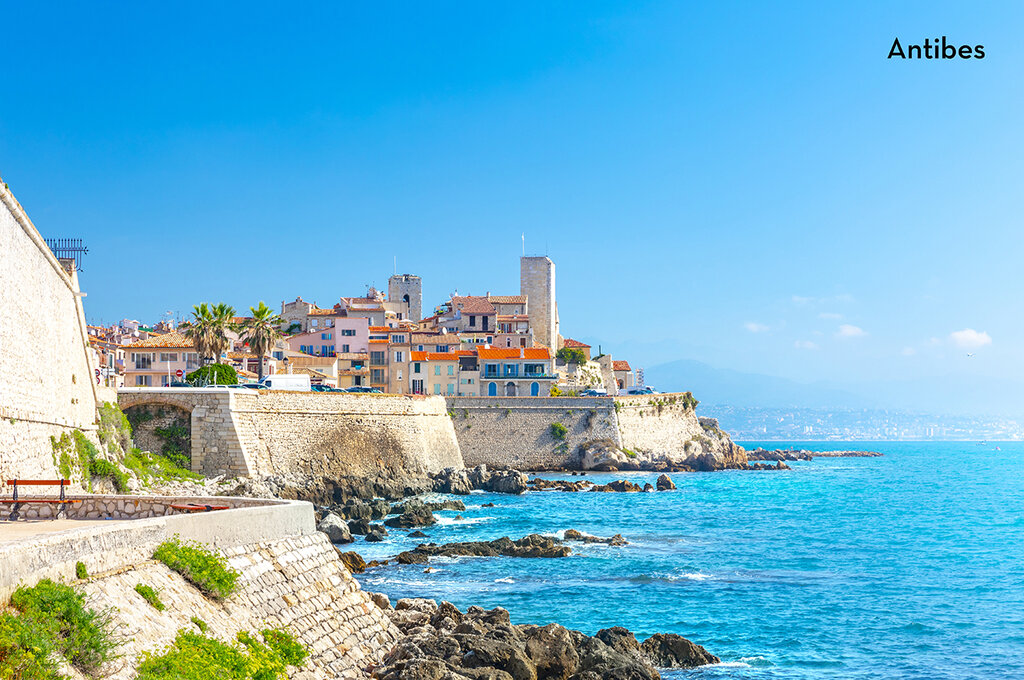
(515, 371)
(156, 361)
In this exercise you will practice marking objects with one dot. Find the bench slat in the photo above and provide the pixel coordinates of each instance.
(36, 500)
(39, 482)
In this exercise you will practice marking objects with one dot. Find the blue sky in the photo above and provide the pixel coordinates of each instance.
(753, 185)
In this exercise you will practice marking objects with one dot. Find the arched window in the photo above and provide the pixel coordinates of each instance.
(510, 389)
(534, 389)
(492, 389)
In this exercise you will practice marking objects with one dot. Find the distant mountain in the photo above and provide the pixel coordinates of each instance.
(713, 385)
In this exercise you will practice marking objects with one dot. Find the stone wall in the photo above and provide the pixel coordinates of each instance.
(516, 431)
(665, 425)
(147, 419)
(46, 377)
(97, 506)
(250, 433)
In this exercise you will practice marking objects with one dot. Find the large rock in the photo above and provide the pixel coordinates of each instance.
(533, 545)
(674, 651)
(552, 651)
(414, 514)
(335, 528)
(665, 483)
(602, 455)
(353, 561)
(452, 480)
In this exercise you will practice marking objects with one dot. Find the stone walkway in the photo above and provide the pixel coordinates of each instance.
(17, 531)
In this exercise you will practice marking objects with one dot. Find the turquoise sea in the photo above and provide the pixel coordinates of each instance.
(906, 566)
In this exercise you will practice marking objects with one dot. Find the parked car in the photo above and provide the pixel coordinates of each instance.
(324, 388)
(594, 393)
(291, 382)
(646, 389)
(362, 389)
(254, 386)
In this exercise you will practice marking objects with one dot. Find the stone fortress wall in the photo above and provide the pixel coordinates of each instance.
(290, 576)
(46, 377)
(250, 433)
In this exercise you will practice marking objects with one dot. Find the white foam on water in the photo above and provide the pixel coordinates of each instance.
(481, 491)
(504, 580)
(691, 576)
(466, 520)
(728, 664)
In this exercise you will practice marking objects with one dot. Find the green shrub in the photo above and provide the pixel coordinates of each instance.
(83, 636)
(220, 374)
(200, 624)
(568, 355)
(197, 657)
(150, 595)
(558, 431)
(26, 651)
(115, 431)
(176, 439)
(80, 571)
(629, 452)
(202, 567)
(153, 466)
(98, 467)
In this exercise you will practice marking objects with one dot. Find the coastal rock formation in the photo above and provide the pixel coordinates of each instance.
(620, 485)
(533, 545)
(539, 484)
(675, 651)
(573, 535)
(442, 643)
(462, 481)
(801, 454)
(414, 514)
(335, 528)
(665, 483)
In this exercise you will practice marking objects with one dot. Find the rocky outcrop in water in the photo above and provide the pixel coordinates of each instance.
(665, 483)
(335, 528)
(533, 545)
(801, 454)
(462, 481)
(573, 535)
(442, 643)
(414, 514)
(675, 651)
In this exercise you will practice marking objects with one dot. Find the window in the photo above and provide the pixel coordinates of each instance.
(451, 389)
(399, 357)
(348, 332)
(451, 370)
(142, 360)
(472, 320)
(376, 376)
(511, 370)
(437, 370)
(279, 355)
(397, 338)
(491, 370)
(313, 323)
(168, 357)
(443, 349)
(344, 348)
(419, 348)
(416, 367)
(165, 381)
(377, 358)
(417, 387)
(534, 369)
(325, 336)
(437, 389)
(143, 380)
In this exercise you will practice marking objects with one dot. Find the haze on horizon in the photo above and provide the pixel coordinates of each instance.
(756, 188)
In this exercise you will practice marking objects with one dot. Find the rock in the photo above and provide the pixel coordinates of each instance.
(619, 485)
(452, 480)
(375, 536)
(665, 483)
(674, 651)
(359, 527)
(381, 600)
(648, 488)
(487, 652)
(413, 515)
(335, 528)
(539, 484)
(487, 505)
(553, 652)
(533, 545)
(417, 534)
(420, 604)
(573, 535)
(446, 610)
(459, 517)
(782, 466)
(620, 639)
(353, 561)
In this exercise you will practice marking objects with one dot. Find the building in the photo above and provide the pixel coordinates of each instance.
(296, 313)
(623, 374)
(469, 314)
(434, 373)
(406, 290)
(314, 343)
(537, 284)
(160, 360)
(353, 370)
(569, 343)
(516, 371)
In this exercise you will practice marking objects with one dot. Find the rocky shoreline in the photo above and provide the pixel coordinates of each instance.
(442, 643)
(802, 454)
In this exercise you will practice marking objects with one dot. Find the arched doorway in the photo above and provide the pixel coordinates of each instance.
(492, 389)
(534, 389)
(510, 389)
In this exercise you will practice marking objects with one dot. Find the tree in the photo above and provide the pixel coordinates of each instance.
(569, 355)
(262, 331)
(208, 329)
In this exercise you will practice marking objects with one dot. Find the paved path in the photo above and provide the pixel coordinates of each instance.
(16, 531)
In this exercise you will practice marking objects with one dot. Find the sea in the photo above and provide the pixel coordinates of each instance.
(910, 565)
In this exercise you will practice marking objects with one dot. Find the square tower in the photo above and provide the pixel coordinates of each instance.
(537, 283)
(407, 288)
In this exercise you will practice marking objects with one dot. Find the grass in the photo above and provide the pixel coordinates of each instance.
(200, 624)
(99, 467)
(155, 467)
(629, 452)
(54, 618)
(200, 566)
(197, 657)
(150, 595)
(80, 571)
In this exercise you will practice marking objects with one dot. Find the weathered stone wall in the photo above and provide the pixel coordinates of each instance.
(516, 431)
(46, 379)
(664, 424)
(146, 420)
(97, 506)
(250, 433)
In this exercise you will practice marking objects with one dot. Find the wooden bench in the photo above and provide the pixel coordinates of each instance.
(18, 502)
(192, 507)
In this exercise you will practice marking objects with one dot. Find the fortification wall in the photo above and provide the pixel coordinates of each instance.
(291, 576)
(46, 380)
(516, 431)
(658, 423)
(250, 433)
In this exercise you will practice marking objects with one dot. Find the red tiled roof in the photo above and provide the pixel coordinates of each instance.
(621, 366)
(536, 353)
(168, 340)
(472, 304)
(379, 329)
(498, 352)
(569, 342)
(508, 299)
(418, 356)
(513, 317)
(324, 312)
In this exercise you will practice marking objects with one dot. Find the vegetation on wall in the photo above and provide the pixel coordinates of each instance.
(149, 467)
(150, 595)
(193, 656)
(115, 432)
(176, 442)
(568, 355)
(200, 566)
(558, 431)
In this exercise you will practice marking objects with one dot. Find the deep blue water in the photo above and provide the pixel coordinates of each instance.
(905, 566)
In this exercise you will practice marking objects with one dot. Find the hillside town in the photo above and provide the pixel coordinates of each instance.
(471, 345)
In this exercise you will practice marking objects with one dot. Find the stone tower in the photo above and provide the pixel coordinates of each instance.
(537, 283)
(407, 288)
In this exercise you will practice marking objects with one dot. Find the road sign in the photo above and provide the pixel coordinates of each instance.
(97, 372)
(179, 373)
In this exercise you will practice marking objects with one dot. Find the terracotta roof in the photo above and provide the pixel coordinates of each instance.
(242, 355)
(513, 317)
(418, 356)
(323, 312)
(309, 371)
(472, 304)
(508, 299)
(168, 340)
(240, 319)
(536, 353)
(434, 356)
(569, 342)
(498, 352)
(621, 366)
(380, 329)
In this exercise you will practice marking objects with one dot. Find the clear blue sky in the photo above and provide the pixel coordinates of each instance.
(728, 182)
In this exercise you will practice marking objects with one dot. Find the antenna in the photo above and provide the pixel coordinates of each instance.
(524, 244)
(396, 265)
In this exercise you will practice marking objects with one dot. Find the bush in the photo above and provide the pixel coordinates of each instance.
(568, 355)
(150, 595)
(115, 431)
(202, 567)
(197, 657)
(200, 624)
(149, 466)
(83, 636)
(558, 431)
(176, 439)
(220, 374)
(26, 651)
(98, 467)
(80, 571)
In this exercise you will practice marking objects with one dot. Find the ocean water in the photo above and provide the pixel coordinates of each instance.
(906, 566)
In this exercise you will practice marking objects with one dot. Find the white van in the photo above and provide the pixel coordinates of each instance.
(293, 382)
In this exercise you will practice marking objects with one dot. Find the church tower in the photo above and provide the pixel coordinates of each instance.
(407, 288)
(537, 283)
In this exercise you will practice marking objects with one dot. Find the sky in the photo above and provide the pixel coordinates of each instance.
(750, 185)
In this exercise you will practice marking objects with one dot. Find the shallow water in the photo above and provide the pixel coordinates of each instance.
(905, 566)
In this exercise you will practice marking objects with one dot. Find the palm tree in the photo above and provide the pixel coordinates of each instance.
(208, 330)
(262, 331)
(223, 315)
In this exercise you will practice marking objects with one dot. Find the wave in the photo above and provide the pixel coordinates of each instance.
(504, 580)
(444, 521)
(685, 576)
